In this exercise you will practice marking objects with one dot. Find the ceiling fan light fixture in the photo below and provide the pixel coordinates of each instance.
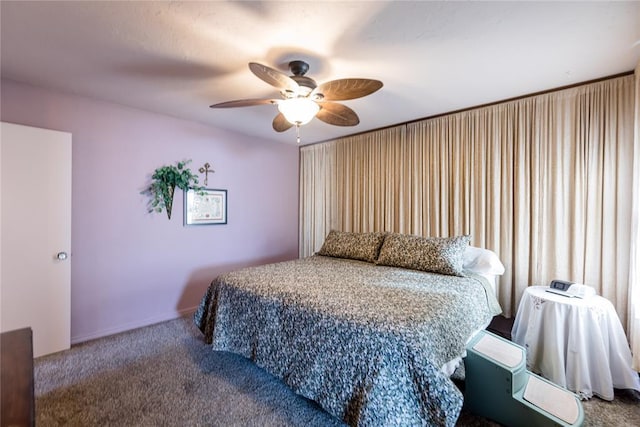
(298, 111)
(302, 97)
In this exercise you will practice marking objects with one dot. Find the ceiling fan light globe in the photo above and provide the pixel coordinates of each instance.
(298, 111)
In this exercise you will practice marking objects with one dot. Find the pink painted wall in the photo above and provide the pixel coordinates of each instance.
(131, 268)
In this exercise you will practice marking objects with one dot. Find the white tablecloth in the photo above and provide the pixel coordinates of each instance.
(576, 343)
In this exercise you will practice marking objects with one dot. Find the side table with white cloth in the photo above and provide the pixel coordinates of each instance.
(576, 343)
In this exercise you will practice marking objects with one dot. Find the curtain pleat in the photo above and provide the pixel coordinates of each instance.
(544, 181)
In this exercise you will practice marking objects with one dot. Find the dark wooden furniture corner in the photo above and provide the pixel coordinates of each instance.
(502, 326)
(17, 408)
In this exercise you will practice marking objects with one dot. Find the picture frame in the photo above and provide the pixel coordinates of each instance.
(206, 207)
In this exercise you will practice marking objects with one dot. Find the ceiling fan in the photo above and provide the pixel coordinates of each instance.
(303, 99)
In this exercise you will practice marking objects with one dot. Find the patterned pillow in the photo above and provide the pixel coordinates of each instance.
(360, 246)
(442, 255)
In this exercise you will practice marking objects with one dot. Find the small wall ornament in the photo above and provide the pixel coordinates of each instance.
(205, 170)
(164, 181)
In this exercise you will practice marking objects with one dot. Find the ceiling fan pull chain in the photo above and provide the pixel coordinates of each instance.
(298, 132)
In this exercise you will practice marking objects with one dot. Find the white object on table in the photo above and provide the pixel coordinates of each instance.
(576, 343)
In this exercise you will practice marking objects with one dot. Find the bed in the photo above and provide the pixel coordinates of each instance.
(360, 327)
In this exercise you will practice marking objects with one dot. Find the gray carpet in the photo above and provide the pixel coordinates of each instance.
(164, 375)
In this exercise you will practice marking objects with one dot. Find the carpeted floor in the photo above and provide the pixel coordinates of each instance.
(164, 375)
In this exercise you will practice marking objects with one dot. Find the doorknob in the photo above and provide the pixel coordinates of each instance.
(62, 256)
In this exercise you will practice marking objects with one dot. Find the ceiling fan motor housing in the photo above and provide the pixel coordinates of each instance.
(307, 84)
(298, 68)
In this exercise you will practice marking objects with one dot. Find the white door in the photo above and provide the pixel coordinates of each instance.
(35, 218)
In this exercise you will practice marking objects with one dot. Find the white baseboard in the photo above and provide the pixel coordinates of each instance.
(132, 325)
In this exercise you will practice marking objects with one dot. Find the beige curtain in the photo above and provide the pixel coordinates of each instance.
(349, 185)
(318, 195)
(544, 181)
(634, 269)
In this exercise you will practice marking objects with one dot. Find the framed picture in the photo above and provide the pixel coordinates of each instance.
(205, 207)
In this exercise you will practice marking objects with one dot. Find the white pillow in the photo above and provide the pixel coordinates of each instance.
(482, 261)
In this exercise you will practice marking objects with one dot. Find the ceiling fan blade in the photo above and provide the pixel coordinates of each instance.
(343, 89)
(280, 124)
(337, 114)
(274, 77)
(244, 103)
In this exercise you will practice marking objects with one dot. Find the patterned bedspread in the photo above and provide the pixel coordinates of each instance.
(366, 342)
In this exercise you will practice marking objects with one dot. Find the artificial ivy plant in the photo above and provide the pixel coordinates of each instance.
(164, 181)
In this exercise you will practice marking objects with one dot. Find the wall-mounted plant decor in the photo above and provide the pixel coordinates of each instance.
(164, 181)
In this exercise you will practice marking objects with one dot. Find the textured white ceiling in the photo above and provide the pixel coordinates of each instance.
(178, 58)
